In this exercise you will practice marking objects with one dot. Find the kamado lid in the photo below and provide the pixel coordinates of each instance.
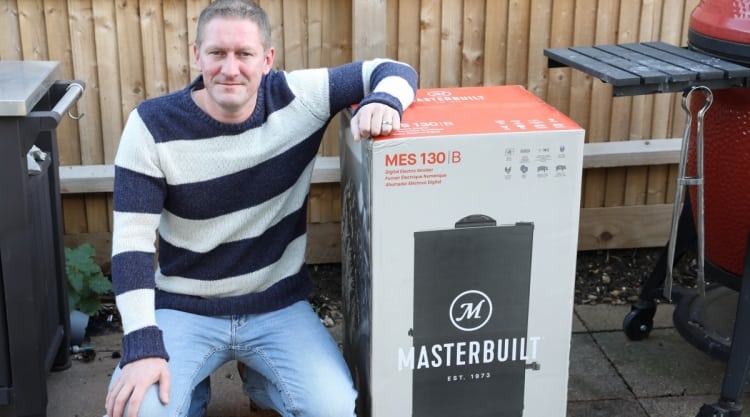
(721, 28)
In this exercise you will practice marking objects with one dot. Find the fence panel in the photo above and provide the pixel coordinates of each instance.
(129, 50)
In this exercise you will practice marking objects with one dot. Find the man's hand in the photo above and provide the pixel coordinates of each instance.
(131, 385)
(375, 119)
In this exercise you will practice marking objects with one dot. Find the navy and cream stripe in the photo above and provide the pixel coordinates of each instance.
(228, 200)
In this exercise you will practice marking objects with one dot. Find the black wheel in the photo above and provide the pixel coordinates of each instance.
(638, 322)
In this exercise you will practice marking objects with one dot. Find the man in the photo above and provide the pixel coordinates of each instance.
(222, 170)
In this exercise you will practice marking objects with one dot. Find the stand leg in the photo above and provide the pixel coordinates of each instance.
(738, 365)
(640, 320)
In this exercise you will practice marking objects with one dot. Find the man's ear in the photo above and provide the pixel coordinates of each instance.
(270, 53)
(195, 54)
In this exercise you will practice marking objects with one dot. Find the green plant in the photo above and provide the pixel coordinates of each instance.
(86, 282)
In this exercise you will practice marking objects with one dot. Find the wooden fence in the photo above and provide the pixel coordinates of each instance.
(129, 50)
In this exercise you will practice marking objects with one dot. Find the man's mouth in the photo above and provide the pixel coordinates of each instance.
(228, 83)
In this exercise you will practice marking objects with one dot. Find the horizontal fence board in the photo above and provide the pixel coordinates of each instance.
(624, 226)
(631, 153)
(86, 179)
(99, 178)
(600, 228)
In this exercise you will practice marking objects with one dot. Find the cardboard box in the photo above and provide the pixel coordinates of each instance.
(460, 234)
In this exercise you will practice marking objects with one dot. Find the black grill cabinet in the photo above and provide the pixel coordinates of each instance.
(34, 316)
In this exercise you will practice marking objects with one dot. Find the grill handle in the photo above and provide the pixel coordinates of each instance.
(49, 119)
(73, 92)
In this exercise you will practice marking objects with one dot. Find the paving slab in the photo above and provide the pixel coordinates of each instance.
(590, 375)
(661, 376)
(227, 398)
(679, 406)
(662, 365)
(606, 408)
(604, 317)
(577, 324)
(80, 390)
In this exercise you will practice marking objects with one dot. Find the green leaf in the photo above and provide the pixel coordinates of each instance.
(89, 306)
(73, 299)
(76, 281)
(85, 279)
(100, 285)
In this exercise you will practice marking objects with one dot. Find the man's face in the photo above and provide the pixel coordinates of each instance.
(232, 60)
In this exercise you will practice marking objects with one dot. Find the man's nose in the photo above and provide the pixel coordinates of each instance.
(231, 65)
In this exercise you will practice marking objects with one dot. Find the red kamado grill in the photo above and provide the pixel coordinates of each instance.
(715, 156)
(721, 28)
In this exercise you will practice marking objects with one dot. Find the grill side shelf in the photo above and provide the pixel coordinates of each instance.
(649, 67)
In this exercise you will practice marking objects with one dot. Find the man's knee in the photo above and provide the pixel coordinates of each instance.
(331, 400)
(151, 406)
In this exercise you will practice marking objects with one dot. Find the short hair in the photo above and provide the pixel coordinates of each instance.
(240, 9)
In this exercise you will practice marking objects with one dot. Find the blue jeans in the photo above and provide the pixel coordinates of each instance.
(293, 364)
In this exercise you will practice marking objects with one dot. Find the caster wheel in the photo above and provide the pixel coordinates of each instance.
(638, 323)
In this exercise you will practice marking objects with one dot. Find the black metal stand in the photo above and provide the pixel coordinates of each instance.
(738, 364)
(639, 322)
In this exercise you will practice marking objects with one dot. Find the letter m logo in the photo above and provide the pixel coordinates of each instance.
(470, 310)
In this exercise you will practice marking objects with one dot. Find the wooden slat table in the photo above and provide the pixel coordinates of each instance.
(650, 67)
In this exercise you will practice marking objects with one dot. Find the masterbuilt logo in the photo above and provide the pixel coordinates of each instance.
(445, 96)
(470, 310)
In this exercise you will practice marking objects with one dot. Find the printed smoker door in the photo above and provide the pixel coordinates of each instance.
(471, 302)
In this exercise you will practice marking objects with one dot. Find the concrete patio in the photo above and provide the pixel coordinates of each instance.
(662, 376)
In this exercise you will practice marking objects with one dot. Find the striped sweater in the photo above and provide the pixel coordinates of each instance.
(226, 202)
